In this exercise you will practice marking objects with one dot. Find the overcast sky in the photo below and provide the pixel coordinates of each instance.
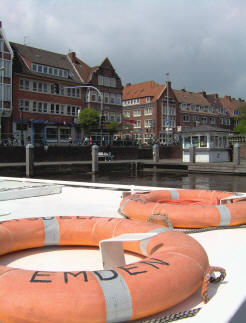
(200, 43)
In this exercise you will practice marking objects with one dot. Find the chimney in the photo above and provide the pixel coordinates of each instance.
(73, 57)
(128, 84)
(204, 94)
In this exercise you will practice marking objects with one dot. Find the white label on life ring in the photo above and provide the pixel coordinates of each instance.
(51, 231)
(225, 215)
(117, 296)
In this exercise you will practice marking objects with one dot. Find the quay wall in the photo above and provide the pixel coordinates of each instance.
(15, 154)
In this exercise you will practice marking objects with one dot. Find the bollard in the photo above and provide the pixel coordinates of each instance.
(236, 154)
(192, 154)
(156, 153)
(94, 155)
(29, 160)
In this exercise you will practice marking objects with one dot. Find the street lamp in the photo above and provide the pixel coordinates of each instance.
(101, 97)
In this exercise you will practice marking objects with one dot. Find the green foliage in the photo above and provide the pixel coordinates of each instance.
(112, 127)
(241, 127)
(88, 119)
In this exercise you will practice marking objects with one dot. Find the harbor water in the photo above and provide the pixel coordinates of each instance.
(232, 183)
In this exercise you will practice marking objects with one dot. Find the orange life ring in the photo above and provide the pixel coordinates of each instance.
(174, 267)
(186, 208)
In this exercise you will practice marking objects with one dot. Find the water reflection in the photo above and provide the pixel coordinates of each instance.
(188, 181)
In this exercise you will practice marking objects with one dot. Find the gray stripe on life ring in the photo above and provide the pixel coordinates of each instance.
(225, 215)
(117, 296)
(174, 194)
(144, 243)
(51, 231)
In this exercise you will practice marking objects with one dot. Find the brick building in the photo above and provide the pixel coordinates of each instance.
(105, 92)
(160, 112)
(152, 108)
(44, 110)
(6, 58)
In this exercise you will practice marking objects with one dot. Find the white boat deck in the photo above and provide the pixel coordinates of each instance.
(45, 198)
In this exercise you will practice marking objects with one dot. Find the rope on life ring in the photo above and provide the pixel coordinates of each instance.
(173, 266)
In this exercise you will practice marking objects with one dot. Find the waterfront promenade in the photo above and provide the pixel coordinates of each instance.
(148, 165)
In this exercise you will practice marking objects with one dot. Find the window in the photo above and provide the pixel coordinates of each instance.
(195, 141)
(45, 87)
(212, 120)
(187, 142)
(21, 84)
(68, 110)
(51, 134)
(137, 113)
(40, 107)
(65, 133)
(34, 106)
(204, 120)
(202, 109)
(57, 108)
(184, 107)
(106, 98)
(147, 99)
(26, 106)
(186, 118)
(137, 124)
(127, 114)
(34, 87)
(148, 111)
(147, 123)
(193, 107)
(203, 141)
(40, 87)
(34, 67)
(112, 98)
(112, 116)
(45, 107)
(52, 108)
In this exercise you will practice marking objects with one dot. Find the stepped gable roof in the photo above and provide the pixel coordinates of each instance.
(184, 96)
(141, 90)
(30, 55)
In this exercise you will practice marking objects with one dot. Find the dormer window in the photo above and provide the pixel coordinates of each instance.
(50, 70)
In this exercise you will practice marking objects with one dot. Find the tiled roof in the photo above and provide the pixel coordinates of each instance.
(39, 56)
(141, 90)
(184, 96)
(82, 68)
(230, 104)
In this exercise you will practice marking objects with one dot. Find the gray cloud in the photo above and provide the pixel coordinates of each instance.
(201, 43)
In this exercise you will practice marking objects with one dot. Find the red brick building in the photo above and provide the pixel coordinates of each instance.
(152, 108)
(161, 112)
(44, 110)
(105, 92)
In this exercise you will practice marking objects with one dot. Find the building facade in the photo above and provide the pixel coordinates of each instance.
(102, 90)
(152, 109)
(160, 112)
(6, 60)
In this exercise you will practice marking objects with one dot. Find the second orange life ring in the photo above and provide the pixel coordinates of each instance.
(174, 266)
(186, 208)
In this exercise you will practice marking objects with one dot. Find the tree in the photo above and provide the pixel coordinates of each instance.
(241, 127)
(88, 120)
(112, 127)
